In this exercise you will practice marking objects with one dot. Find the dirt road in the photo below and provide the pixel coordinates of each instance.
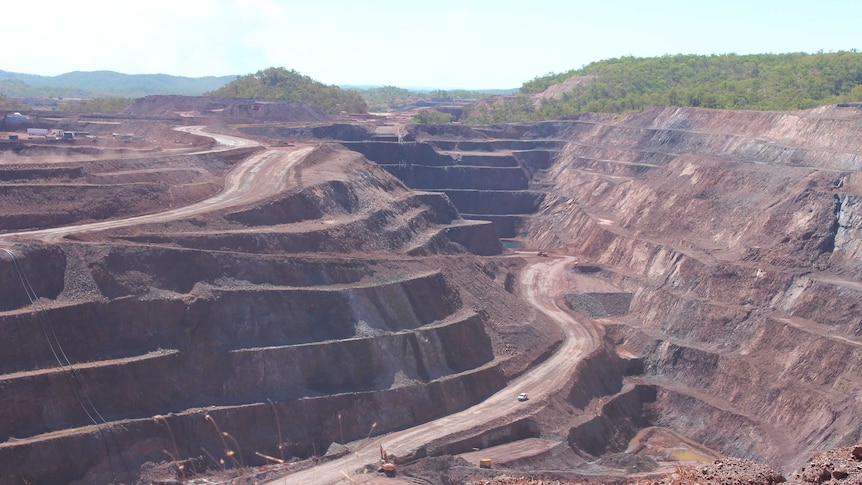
(265, 174)
(540, 284)
(256, 178)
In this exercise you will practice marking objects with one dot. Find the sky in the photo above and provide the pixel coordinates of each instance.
(442, 44)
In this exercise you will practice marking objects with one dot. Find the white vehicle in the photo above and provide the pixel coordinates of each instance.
(523, 397)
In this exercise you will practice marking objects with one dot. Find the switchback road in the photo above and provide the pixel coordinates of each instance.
(258, 177)
(540, 284)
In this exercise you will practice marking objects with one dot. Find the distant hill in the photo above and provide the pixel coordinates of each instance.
(100, 84)
(278, 83)
(752, 82)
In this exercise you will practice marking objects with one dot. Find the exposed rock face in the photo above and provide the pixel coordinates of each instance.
(485, 171)
(737, 235)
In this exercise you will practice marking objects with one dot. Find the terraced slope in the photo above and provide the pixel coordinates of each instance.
(736, 233)
(289, 322)
(726, 244)
(715, 255)
(484, 171)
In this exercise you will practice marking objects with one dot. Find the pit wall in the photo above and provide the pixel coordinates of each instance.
(360, 364)
(495, 202)
(721, 428)
(392, 153)
(483, 178)
(43, 267)
(460, 177)
(421, 357)
(738, 336)
(689, 271)
(614, 410)
(332, 197)
(825, 127)
(309, 425)
(189, 328)
(618, 421)
(848, 233)
(172, 381)
(689, 130)
(42, 205)
(222, 319)
(786, 395)
(20, 173)
(130, 270)
(506, 226)
(518, 430)
(476, 237)
(716, 353)
(800, 227)
(721, 330)
(382, 230)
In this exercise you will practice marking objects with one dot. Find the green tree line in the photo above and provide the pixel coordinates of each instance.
(431, 117)
(96, 105)
(10, 104)
(389, 98)
(276, 83)
(626, 84)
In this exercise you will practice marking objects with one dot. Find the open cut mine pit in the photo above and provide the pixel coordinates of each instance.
(270, 297)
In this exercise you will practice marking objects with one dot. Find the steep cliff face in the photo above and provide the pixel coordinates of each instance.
(737, 234)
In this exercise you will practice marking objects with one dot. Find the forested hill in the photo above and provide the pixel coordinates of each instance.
(277, 83)
(95, 84)
(757, 82)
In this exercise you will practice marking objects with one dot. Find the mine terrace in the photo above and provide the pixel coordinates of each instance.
(247, 291)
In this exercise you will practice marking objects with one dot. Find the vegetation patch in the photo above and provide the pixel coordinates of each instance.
(278, 83)
(391, 98)
(753, 82)
(431, 117)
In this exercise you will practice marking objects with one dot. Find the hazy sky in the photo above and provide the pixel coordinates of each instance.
(429, 43)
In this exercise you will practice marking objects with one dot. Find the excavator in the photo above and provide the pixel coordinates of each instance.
(387, 463)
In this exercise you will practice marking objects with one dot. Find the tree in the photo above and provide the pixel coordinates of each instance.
(431, 117)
